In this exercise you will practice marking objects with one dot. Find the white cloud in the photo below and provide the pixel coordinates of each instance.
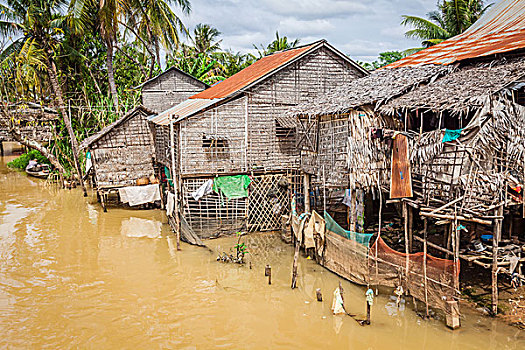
(295, 27)
(362, 29)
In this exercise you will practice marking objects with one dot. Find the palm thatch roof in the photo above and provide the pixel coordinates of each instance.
(461, 91)
(378, 87)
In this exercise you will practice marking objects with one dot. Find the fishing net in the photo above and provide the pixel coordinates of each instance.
(391, 270)
(346, 252)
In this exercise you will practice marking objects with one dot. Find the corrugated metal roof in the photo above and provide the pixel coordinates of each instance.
(500, 29)
(251, 73)
(183, 110)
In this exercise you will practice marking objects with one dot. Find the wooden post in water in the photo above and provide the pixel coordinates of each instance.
(425, 228)
(296, 261)
(268, 273)
(175, 183)
(410, 213)
(495, 241)
(407, 252)
(318, 294)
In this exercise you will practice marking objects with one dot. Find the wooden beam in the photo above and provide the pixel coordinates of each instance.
(459, 217)
(446, 205)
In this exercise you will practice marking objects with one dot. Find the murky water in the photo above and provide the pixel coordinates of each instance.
(72, 276)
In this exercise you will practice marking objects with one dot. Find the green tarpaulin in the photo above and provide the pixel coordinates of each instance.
(232, 187)
(331, 225)
(451, 135)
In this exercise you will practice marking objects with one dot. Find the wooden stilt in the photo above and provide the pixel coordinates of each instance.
(495, 242)
(296, 261)
(318, 294)
(410, 228)
(1, 148)
(425, 250)
(407, 261)
(176, 184)
(306, 183)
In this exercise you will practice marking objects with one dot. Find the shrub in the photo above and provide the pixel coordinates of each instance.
(22, 161)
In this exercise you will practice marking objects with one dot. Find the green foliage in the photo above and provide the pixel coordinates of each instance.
(451, 18)
(279, 44)
(22, 161)
(385, 58)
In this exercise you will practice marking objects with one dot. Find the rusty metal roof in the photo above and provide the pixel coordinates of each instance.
(501, 29)
(252, 73)
(183, 110)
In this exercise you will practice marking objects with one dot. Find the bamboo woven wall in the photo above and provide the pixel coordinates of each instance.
(168, 90)
(214, 141)
(124, 154)
(313, 75)
(214, 215)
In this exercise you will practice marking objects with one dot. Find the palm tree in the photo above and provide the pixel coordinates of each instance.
(205, 39)
(451, 18)
(154, 23)
(108, 15)
(38, 26)
(279, 44)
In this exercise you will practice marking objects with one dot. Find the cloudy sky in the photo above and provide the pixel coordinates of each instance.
(361, 29)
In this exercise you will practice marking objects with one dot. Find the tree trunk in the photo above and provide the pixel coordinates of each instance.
(53, 77)
(111, 76)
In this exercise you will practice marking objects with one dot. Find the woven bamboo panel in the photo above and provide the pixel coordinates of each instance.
(268, 201)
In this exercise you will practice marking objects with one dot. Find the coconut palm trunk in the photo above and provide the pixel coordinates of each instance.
(53, 77)
(111, 74)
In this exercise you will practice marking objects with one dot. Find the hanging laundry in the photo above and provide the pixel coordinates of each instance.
(205, 189)
(232, 186)
(451, 135)
(135, 195)
(170, 205)
(89, 162)
(168, 176)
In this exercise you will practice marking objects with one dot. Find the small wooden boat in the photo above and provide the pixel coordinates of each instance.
(41, 171)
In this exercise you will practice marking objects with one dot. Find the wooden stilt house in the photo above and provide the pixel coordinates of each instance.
(121, 154)
(457, 159)
(29, 120)
(236, 127)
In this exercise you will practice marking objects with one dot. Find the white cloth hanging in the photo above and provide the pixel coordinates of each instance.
(170, 204)
(204, 190)
(136, 195)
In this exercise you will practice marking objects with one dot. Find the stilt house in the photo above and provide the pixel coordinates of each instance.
(29, 120)
(237, 127)
(457, 158)
(121, 153)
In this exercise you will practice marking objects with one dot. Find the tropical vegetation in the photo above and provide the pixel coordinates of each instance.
(452, 17)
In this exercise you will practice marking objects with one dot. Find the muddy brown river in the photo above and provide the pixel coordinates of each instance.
(72, 276)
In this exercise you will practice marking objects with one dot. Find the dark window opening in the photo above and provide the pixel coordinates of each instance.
(284, 131)
(214, 142)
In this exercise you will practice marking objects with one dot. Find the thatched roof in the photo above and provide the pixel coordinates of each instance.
(462, 90)
(29, 111)
(378, 87)
(91, 139)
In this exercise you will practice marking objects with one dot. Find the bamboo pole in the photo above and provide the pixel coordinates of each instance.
(410, 213)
